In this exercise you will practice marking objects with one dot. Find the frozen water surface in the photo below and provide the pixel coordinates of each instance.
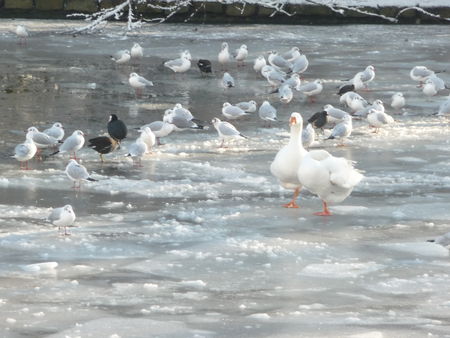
(195, 243)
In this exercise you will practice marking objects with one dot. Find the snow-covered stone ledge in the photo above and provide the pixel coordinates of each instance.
(242, 11)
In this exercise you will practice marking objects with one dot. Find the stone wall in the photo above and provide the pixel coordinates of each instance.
(215, 12)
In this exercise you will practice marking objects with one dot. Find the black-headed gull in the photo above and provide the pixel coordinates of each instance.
(311, 89)
(292, 54)
(148, 137)
(121, 57)
(224, 55)
(342, 130)
(160, 129)
(259, 63)
(227, 80)
(25, 151)
(267, 113)
(136, 51)
(138, 83)
(278, 61)
(72, 144)
(137, 150)
(247, 106)
(300, 64)
(232, 112)
(56, 131)
(77, 173)
(62, 217)
(180, 65)
(398, 101)
(241, 55)
(308, 136)
(378, 119)
(226, 131)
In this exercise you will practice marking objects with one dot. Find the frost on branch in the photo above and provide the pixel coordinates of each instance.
(162, 10)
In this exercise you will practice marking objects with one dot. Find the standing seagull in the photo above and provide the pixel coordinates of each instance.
(160, 129)
(138, 83)
(136, 51)
(180, 65)
(259, 63)
(224, 55)
(311, 89)
(227, 80)
(72, 144)
(267, 113)
(22, 34)
(232, 112)
(148, 137)
(77, 173)
(288, 159)
(226, 130)
(116, 128)
(398, 101)
(25, 151)
(342, 130)
(62, 217)
(56, 131)
(137, 150)
(241, 55)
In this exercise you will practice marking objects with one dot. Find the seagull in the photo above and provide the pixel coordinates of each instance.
(378, 119)
(121, 57)
(56, 131)
(72, 144)
(179, 110)
(398, 101)
(334, 115)
(180, 65)
(136, 51)
(331, 178)
(160, 129)
(116, 128)
(278, 61)
(420, 74)
(22, 33)
(226, 130)
(204, 66)
(300, 64)
(103, 145)
(267, 113)
(41, 140)
(355, 84)
(433, 85)
(180, 122)
(259, 63)
(224, 55)
(287, 161)
(311, 89)
(77, 173)
(443, 240)
(308, 136)
(247, 106)
(62, 217)
(292, 54)
(227, 80)
(293, 82)
(137, 150)
(273, 75)
(342, 130)
(232, 112)
(367, 75)
(377, 105)
(285, 93)
(138, 83)
(25, 151)
(444, 108)
(148, 137)
(241, 55)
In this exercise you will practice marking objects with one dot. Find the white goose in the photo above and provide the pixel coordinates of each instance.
(288, 159)
(331, 178)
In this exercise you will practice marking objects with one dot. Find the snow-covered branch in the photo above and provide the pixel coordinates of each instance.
(421, 10)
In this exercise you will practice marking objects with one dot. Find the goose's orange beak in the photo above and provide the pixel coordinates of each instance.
(292, 121)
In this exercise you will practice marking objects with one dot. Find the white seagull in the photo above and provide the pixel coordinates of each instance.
(148, 137)
(180, 65)
(56, 131)
(227, 80)
(77, 173)
(267, 113)
(260, 62)
(137, 150)
(226, 131)
(311, 89)
(232, 112)
(398, 101)
(224, 55)
(72, 144)
(62, 217)
(377, 119)
(121, 57)
(241, 55)
(138, 83)
(25, 151)
(136, 51)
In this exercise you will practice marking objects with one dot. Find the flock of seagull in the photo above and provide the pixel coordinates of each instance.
(331, 178)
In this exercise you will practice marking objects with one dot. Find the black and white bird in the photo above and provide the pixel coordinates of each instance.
(227, 80)
(116, 128)
(204, 66)
(226, 131)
